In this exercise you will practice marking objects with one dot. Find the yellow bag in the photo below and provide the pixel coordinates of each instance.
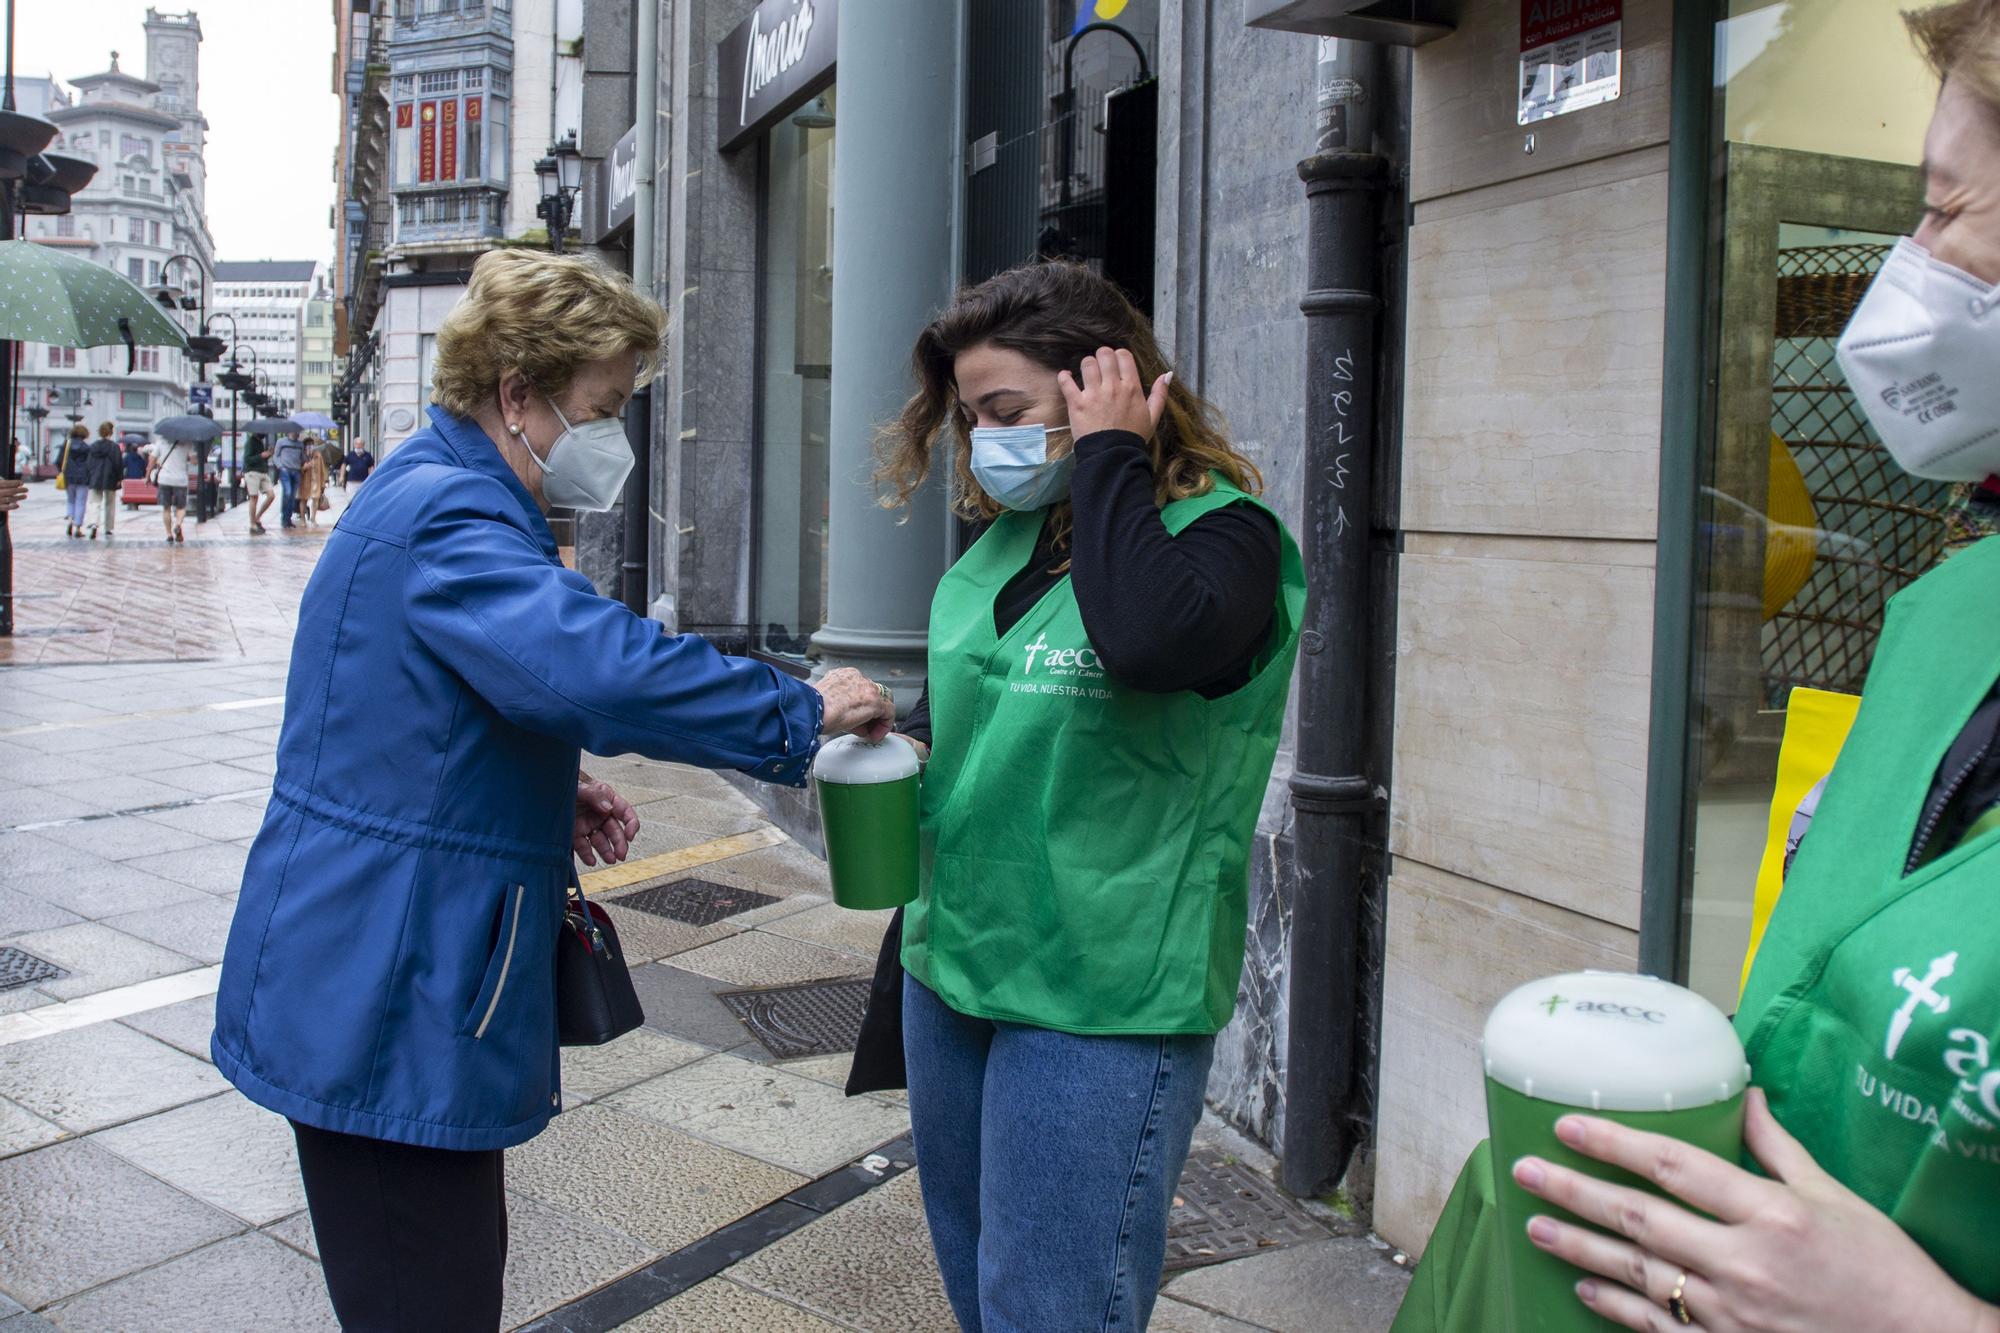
(62, 468)
(1816, 726)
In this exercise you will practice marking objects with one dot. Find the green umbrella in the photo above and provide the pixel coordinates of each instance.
(47, 296)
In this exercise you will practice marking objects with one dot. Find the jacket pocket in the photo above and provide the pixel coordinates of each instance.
(494, 985)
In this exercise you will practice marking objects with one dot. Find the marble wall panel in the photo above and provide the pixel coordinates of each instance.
(1533, 364)
(1522, 695)
(1467, 99)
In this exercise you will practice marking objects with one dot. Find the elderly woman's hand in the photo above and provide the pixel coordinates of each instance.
(1799, 1251)
(605, 823)
(855, 703)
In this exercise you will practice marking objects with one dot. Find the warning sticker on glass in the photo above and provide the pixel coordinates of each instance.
(1571, 56)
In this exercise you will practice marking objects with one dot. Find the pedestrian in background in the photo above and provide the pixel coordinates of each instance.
(359, 464)
(75, 477)
(135, 462)
(24, 460)
(312, 483)
(330, 453)
(288, 456)
(170, 474)
(107, 473)
(257, 484)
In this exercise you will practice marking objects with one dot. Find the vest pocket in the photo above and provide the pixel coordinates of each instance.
(494, 985)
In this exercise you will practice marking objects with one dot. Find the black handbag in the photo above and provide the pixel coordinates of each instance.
(595, 1001)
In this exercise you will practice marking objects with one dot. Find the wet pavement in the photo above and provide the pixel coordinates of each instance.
(696, 1181)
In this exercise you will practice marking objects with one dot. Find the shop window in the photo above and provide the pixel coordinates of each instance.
(795, 384)
(1807, 526)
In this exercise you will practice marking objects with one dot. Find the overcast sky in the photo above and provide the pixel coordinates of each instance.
(273, 120)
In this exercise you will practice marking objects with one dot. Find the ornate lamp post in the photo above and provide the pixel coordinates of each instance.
(561, 175)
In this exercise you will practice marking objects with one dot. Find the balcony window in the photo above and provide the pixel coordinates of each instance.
(66, 225)
(432, 82)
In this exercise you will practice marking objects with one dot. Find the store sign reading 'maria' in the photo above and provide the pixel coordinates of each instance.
(775, 59)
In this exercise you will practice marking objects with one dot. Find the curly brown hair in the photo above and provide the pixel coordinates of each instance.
(1055, 314)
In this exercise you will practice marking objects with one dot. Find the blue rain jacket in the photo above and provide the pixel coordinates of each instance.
(390, 969)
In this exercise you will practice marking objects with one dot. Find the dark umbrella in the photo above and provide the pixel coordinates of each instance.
(193, 430)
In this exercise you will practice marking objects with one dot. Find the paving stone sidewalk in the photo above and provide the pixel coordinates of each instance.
(138, 1191)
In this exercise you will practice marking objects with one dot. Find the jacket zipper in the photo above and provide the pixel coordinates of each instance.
(506, 962)
(1935, 813)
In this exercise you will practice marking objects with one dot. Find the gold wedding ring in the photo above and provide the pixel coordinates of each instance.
(1677, 1305)
(888, 695)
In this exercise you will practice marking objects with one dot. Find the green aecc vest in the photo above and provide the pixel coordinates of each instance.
(1872, 1015)
(1085, 845)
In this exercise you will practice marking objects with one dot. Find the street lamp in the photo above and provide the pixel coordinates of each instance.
(234, 380)
(561, 175)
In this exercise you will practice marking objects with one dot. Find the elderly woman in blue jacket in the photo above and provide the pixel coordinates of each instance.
(389, 980)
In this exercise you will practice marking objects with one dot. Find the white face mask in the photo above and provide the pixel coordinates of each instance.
(1922, 354)
(587, 465)
(1012, 464)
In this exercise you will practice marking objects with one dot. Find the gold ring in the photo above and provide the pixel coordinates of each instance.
(888, 694)
(1677, 1305)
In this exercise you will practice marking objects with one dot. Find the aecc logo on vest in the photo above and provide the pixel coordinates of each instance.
(1081, 663)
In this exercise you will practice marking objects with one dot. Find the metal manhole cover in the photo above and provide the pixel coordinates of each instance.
(1224, 1210)
(18, 969)
(811, 1018)
(694, 902)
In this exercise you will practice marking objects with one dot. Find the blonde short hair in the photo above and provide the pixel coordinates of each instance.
(1961, 39)
(546, 316)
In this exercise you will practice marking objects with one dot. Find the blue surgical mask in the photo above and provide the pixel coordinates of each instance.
(1012, 464)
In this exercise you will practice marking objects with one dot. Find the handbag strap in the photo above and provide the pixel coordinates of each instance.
(579, 906)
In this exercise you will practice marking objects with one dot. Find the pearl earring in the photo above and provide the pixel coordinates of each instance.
(515, 429)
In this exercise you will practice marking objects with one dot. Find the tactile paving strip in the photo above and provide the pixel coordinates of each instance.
(18, 969)
(1224, 1210)
(694, 902)
(810, 1018)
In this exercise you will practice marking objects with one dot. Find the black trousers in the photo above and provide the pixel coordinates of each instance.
(412, 1240)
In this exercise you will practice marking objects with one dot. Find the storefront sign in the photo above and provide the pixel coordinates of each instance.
(1571, 56)
(427, 142)
(775, 59)
(201, 395)
(448, 141)
(614, 188)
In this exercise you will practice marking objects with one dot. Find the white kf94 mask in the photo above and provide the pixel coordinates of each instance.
(1922, 354)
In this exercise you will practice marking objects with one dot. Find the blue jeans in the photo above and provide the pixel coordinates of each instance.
(1049, 1163)
(288, 495)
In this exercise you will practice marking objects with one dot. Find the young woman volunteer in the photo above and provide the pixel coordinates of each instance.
(1108, 672)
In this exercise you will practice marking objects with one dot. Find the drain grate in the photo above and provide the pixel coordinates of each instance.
(18, 969)
(1224, 1210)
(810, 1018)
(694, 902)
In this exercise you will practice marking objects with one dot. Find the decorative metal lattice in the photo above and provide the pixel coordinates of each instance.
(1877, 527)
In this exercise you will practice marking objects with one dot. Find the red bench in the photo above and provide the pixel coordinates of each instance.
(138, 491)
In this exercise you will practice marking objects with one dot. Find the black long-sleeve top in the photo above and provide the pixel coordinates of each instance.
(1164, 613)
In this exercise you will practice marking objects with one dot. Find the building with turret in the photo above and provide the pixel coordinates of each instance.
(144, 215)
